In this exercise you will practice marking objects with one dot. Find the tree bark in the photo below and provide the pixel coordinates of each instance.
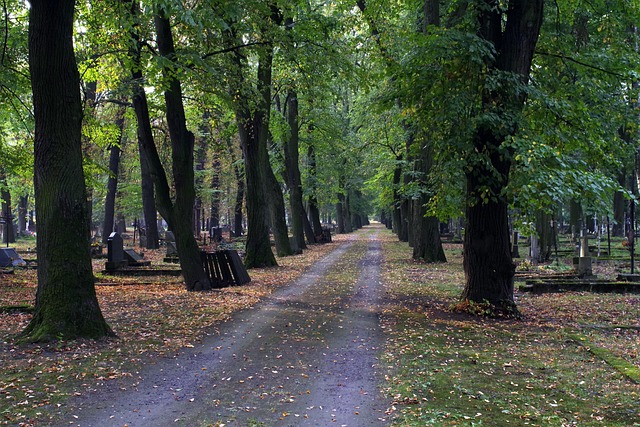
(427, 245)
(66, 304)
(488, 266)
(314, 211)
(5, 198)
(23, 205)
(148, 202)
(291, 156)
(253, 129)
(277, 213)
(182, 148)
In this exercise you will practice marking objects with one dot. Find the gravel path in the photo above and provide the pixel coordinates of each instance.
(307, 356)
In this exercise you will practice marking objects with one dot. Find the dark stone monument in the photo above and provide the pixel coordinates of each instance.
(172, 250)
(134, 259)
(115, 253)
(10, 258)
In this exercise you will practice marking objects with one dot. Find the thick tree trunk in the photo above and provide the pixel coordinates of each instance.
(291, 156)
(488, 266)
(346, 214)
(253, 129)
(66, 304)
(277, 212)
(427, 245)
(182, 147)
(148, 202)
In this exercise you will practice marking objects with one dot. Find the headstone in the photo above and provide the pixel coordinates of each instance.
(584, 260)
(170, 241)
(135, 259)
(515, 250)
(115, 252)
(10, 258)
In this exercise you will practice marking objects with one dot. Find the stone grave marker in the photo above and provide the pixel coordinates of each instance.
(134, 259)
(115, 252)
(10, 258)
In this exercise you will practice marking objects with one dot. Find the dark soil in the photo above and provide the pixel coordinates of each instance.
(307, 356)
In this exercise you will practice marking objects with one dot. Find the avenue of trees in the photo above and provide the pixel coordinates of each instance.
(274, 117)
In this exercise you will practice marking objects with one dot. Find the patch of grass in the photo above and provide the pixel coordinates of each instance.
(453, 369)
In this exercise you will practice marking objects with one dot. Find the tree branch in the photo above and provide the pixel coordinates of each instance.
(584, 64)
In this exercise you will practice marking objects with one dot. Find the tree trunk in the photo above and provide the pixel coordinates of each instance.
(148, 202)
(291, 156)
(214, 218)
(314, 212)
(23, 206)
(545, 236)
(200, 163)
(488, 266)
(66, 305)
(427, 245)
(277, 213)
(340, 214)
(182, 147)
(396, 218)
(253, 129)
(240, 189)
(5, 196)
(112, 183)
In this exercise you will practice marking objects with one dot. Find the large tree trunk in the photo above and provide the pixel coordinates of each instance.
(182, 147)
(277, 214)
(488, 266)
(253, 129)
(427, 245)
(291, 156)
(148, 202)
(66, 304)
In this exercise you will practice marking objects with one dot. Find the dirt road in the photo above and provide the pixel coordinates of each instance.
(307, 356)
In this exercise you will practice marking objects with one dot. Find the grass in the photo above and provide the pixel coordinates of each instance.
(450, 369)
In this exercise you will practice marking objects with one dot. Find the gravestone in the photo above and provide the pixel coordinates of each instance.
(515, 250)
(115, 252)
(10, 258)
(584, 260)
(134, 259)
(170, 241)
(172, 250)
